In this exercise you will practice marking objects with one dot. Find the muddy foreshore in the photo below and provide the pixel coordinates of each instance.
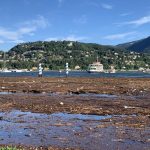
(126, 100)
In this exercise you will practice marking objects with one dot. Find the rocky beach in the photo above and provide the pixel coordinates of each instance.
(75, 113)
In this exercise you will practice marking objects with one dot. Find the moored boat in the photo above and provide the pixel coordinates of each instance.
(95, 67)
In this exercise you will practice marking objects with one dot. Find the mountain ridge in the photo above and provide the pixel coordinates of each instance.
(140, 46)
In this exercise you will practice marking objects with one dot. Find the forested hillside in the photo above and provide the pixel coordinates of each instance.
(141, 46)
(54, 55)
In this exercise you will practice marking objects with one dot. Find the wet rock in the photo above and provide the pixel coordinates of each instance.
(35, 91)
(28, 135)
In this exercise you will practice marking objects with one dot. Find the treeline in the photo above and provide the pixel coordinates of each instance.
(54, 55)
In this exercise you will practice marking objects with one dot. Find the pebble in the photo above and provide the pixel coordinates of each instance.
(61, 103)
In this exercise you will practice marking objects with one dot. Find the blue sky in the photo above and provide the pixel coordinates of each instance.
(107, 22)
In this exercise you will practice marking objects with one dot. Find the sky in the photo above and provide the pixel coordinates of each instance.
(106, 22)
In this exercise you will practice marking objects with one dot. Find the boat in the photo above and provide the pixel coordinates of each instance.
(95, 67)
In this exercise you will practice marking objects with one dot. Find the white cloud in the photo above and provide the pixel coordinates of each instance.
(119, 36)
(93, 4)
(140, 21)
(60, 3)
(107, 6)
(17, 41)
(11, 35)
(2, 42)
(81, 20)
(75, 38)
(26, 28)
(39, 22)
(53, 39)
(125, 14)
(68, 38)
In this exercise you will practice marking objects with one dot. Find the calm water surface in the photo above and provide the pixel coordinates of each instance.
(77, 74)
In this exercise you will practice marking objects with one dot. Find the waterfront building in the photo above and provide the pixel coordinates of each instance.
(95, 67)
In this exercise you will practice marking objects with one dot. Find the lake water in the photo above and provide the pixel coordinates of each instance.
(77, 74)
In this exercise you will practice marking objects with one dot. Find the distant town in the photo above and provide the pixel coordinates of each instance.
(53, 55)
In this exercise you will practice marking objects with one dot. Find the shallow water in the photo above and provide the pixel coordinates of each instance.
(80, 116)
(98, 95)
(64, 130)
(5, 93)
(35, 128)
(57, 94)
(65, 116)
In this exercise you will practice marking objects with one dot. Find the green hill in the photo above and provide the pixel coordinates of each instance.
(54, 55)
(141, 46)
